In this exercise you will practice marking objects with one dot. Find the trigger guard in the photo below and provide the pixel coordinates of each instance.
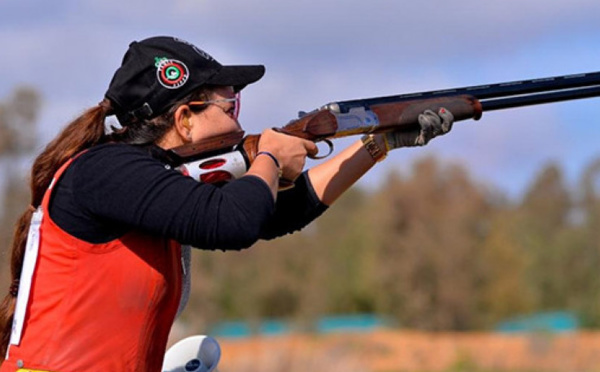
(317, 157)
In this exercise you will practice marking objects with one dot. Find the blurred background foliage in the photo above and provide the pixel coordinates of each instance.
(434, 249)
(18, 141)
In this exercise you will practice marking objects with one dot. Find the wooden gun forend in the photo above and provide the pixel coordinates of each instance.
(405, 115)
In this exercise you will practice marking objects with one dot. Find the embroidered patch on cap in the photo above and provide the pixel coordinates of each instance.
(171, 73)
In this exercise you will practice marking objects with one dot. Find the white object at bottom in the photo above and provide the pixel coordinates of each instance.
(193, 354)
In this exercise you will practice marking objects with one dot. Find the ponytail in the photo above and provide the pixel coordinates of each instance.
(82, 133)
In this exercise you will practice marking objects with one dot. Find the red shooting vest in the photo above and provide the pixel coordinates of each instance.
(98, 307)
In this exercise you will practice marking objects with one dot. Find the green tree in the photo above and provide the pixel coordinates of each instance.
(432, 226)
(543, 223)
(585, 260)
(18, 137)
(505, 290)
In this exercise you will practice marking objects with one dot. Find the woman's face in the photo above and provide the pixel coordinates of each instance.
(220, 117)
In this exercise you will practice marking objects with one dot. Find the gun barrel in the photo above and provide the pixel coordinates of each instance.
(503, 95)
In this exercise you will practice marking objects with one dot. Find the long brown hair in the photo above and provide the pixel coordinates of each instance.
(82, 133)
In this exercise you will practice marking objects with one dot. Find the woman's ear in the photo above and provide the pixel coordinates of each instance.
(182, 122)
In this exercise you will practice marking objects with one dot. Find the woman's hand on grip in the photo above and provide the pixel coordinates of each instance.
(290, 151)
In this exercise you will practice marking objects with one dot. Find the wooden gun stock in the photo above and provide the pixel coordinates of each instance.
(205, 148)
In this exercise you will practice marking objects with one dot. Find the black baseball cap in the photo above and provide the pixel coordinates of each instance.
(159, 71)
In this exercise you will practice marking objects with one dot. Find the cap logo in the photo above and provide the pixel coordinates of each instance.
(171, 73)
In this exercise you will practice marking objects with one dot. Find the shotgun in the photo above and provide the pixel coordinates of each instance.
(227, 157)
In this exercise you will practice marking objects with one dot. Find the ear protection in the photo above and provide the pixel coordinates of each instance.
(186, 123)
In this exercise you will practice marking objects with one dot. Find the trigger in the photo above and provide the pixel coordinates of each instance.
(317, 157)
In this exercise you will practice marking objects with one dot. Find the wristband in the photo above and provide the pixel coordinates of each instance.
(280, 172)
(373, 148)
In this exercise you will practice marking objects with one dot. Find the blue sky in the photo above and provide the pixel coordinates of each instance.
(327, 50)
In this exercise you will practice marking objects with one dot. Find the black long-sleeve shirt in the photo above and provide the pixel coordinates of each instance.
(113, 188)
